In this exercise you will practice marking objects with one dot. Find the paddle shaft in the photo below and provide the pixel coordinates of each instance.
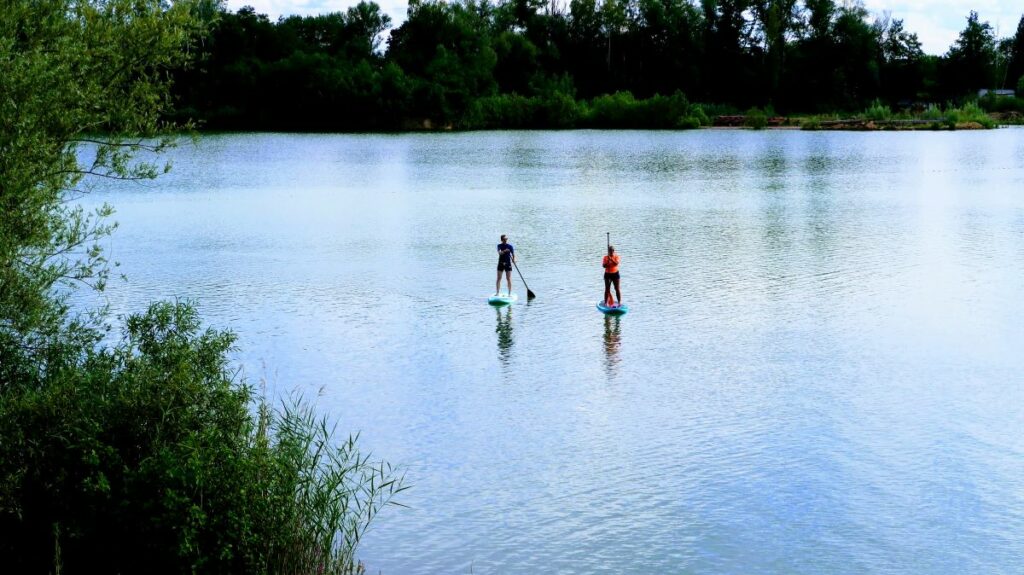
(529, 294)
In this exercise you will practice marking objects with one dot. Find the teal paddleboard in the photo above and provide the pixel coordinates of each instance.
(613, 309)
(502, 299)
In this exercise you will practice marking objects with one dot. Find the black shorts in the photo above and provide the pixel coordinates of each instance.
(504, 266)
(612, 277)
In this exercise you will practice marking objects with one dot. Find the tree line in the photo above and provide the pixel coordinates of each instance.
(521, 63)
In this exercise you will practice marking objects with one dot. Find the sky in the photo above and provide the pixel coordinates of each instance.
(937, 23)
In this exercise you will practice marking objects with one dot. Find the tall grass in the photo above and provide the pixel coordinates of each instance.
(878, 112)
(326, 493)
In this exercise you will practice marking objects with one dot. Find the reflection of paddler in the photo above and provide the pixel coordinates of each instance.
(610, 263)
(612, 336)
(504, 331)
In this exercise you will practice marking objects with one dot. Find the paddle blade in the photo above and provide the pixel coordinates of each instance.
(530, 294)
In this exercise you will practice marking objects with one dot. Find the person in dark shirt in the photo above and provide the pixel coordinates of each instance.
(506, 257)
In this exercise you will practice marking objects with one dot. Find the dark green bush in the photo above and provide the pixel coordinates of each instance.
(149, 458)
(756, 119)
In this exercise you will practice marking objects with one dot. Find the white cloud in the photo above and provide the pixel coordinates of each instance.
(937, 23)
(275, 8)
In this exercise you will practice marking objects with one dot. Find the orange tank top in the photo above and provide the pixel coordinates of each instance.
(612, 264)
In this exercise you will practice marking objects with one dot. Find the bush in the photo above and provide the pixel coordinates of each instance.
(688, 123)
(149, 457)
(1020, 87)
(812, 123)
(622, 111)
(756, 119)
(878, 112)
(933, 112)
(971, 112)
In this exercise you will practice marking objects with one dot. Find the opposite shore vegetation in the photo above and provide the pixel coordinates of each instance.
(145, 452)
(646, 64)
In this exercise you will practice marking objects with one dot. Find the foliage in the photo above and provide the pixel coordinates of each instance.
(453, 63)
(756, 119)
(148, 457)
(970, 62)
(969, 113)
(1015, 63)
(80, 80)
(993, 103)
(143, 454)
(878, 112)
(933, 112)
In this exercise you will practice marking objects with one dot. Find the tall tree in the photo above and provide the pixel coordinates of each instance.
(446, 49)
(970, 62)
(902, 61)
(776, 18)
(1015, 69)
(78, 79)
(727, 41)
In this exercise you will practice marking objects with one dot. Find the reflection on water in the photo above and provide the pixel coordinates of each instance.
(612, 341)
(504, 331)
(822, 370)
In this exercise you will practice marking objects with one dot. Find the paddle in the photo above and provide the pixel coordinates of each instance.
(529, 294)
(608, 244)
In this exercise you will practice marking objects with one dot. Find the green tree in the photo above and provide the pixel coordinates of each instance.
(1015, 67)
(775, 19)
(902, 61)
(139, 454)
(80, 79)
(445, 49)
(970, 62)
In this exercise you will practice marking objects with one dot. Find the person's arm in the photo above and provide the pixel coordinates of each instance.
(604, 262)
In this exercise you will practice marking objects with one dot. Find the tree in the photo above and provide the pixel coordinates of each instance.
(970, 62)
(79, 78)
(728, 66)
(142, 454)
(902, 61)
(1015, 68)
(446, 50)
(775, 19)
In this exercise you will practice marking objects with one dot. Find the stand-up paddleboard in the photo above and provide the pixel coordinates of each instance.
(612, 309)
(502, 299)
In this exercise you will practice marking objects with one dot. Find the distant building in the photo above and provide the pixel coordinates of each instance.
(997, 93)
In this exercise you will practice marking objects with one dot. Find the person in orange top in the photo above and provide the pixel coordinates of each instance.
(610, 263)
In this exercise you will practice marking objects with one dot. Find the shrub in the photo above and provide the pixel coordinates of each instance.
(811, 123)
(688, 123)
(756, 119)
(149, 457)
(932, 112)
(878, 112)
(1020, 87)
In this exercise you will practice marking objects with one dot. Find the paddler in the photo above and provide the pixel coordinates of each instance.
(506, 257)
(610, 263)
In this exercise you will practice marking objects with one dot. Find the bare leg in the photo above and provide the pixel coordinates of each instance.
(618, 292)
(497, 284)
(607, 292)
(508, 279)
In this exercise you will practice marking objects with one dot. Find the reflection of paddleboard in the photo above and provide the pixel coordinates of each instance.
(502, 299)
(612, 310)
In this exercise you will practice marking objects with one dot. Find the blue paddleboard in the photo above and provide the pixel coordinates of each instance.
(502, 299)
(612, 310)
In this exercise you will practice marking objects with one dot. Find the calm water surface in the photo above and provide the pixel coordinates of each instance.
(821, 371)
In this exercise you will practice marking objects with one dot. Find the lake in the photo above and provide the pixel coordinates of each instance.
(821, 370)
